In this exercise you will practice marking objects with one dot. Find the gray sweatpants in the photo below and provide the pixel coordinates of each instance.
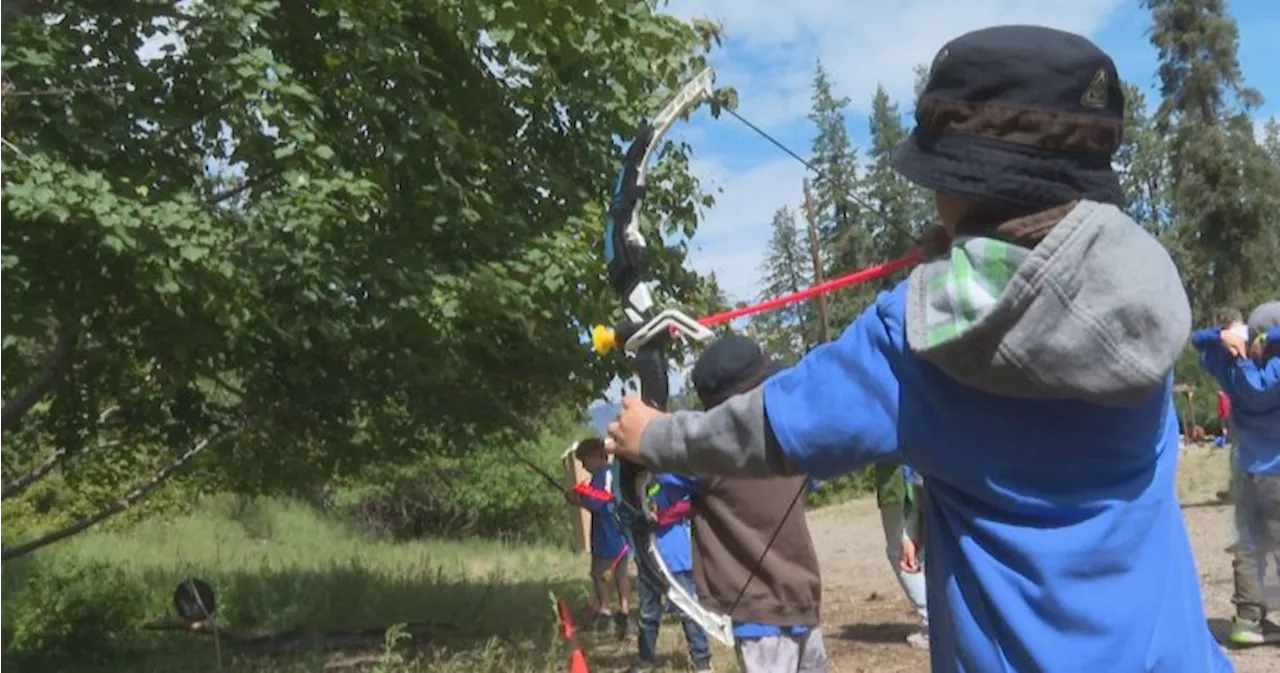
(1258, 516)
(783, 654)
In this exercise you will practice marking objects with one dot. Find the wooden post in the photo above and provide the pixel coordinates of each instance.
(1189, 419)
(579, 517)
(815, 249)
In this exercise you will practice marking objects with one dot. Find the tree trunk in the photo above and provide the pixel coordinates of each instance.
(811, 222)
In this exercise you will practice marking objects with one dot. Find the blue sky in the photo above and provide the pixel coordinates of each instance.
(769, 54)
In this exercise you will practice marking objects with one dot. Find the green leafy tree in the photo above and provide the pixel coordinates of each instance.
(287, 240)
(1143, 164)
(1271, 139)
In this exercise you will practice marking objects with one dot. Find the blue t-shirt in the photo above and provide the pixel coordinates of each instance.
(673, 540)
(678, 487)
(606, 537)
(1254, 390)
(1056, 539)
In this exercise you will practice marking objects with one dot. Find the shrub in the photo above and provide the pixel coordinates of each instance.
(84, 611)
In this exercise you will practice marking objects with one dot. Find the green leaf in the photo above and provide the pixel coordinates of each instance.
(192, 253)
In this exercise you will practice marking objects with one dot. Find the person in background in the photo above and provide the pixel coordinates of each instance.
(896, 497)
(753, 558)
(1025, 370)
(1229, 318)
(609, 550)
(913, 530)
(1250, 374)
(672, 539)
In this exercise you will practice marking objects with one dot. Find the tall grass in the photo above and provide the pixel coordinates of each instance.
(277, 566)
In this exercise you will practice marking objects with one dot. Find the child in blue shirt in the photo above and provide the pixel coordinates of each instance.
(609, 550)
(673, 543)
(1024, 368)
(1250, 375)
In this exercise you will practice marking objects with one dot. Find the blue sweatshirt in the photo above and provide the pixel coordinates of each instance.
(1032, 390)
(1254, 390)
(672, 540)
(606, 537)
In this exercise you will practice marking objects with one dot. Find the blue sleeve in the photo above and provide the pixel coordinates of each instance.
(1257, 387)
(1204, 338)
(674, 488)
(837, 409)
(1213, 357)
(593, 504)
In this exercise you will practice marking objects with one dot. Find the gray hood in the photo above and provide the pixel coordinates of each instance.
(1264, 318)
(1096, 311)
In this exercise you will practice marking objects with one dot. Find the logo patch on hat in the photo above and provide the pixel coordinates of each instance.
(1096, 95)
(937, 61)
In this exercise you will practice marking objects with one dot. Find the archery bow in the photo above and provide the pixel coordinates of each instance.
(644, 336)
(645, 333)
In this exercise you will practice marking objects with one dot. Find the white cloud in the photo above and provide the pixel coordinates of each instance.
(771, 48)
(732, 235)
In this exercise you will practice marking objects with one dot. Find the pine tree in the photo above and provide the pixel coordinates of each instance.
(789, 330)
(1271, 140)
(1222, 185)
(902, 207)
(836, 159)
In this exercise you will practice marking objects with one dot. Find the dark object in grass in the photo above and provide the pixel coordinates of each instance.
(193, 600)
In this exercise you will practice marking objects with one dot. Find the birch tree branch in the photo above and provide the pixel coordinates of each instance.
(139, 492)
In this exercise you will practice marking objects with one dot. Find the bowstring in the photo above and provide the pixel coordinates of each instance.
(804, 484)
(884, 219)
(822, 176)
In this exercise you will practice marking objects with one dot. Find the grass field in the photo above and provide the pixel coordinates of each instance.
(280, 567)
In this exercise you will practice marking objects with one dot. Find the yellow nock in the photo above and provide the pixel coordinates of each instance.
(603, 339)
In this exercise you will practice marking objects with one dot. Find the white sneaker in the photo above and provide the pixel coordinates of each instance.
(919, 640)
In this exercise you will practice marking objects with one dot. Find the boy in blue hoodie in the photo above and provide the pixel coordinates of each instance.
(1024, 369)
(609, 550)
(1252, 381)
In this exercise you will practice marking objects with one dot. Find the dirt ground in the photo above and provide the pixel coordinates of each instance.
(866, 617)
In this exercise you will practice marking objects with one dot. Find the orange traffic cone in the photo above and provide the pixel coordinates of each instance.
(577, 660)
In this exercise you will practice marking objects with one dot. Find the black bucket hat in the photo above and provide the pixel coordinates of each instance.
(1020, 115)
(731, 365)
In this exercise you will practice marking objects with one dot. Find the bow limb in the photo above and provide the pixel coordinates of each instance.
(644, 335)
